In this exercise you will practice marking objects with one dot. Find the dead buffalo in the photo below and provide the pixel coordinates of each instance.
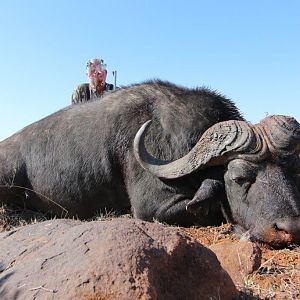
(202, 167)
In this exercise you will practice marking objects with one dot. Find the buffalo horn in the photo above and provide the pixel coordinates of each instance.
(220, 143)
(282, 135)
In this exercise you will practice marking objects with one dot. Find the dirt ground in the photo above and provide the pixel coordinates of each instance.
(277, 278)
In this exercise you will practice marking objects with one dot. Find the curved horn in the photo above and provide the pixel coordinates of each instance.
(282, 134)
(220, 143)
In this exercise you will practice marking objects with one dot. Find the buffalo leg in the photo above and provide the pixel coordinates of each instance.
(209, 191)
(165, 204)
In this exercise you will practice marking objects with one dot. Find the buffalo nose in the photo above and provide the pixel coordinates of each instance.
(290, 227)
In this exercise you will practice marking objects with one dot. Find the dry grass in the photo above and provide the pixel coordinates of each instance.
(278, 277)
(12, 217)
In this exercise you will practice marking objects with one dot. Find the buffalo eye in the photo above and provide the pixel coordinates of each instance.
(242, 173)
(239, 180)
(242, 181)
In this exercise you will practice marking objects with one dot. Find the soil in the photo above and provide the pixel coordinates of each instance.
(277, 278)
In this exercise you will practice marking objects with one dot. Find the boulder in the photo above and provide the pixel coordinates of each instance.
(116, 259)
(239, 259)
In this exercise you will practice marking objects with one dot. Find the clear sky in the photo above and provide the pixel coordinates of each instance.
(248, 51)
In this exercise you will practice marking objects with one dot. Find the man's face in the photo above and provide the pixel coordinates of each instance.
(96, 75)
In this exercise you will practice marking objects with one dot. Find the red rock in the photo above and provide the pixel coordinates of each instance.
(118, 259)
(238, 259)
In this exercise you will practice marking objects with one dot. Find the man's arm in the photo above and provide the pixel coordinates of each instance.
(80, 94)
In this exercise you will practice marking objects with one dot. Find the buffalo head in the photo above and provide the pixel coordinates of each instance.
(260, 180)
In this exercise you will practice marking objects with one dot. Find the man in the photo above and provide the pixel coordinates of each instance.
(97, 86)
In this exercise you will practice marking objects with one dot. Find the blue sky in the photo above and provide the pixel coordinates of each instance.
(248, 51)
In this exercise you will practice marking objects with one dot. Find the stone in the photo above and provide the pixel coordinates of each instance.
(115, 259)
(239, 259)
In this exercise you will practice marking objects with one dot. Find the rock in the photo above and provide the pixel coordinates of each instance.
(238, 259)
(117, 259)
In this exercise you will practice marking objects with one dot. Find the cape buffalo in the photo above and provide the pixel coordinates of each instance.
(202, 167)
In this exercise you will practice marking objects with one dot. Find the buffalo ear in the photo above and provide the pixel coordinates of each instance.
(209, 191)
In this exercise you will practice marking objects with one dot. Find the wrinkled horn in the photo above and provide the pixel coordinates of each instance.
(220, 143)
(282, 135)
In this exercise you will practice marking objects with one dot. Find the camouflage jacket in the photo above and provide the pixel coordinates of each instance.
(83, 93)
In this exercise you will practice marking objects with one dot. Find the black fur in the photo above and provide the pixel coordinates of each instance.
(80, 158)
